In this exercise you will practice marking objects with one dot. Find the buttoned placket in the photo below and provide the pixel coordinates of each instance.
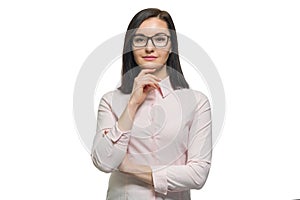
(153, 101)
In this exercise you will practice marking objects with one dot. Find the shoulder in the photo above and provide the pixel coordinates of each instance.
(194, 94)
(192, 99)
(108, 95)
(115, 92)
(113, 95)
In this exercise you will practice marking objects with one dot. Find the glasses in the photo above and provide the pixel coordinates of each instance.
(158, 40)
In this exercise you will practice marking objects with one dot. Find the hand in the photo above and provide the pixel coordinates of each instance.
(141, 172)
(126, 165)
(143, 84)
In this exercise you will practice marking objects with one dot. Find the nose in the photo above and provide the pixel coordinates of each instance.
(150, 46)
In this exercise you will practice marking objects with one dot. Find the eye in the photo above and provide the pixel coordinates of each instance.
(139, 39)
(160, 38)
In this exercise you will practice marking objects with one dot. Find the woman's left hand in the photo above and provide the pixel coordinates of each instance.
(126, 165)
(141, 172)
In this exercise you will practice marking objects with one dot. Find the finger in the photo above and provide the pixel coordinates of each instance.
(148, 88)
(151, 82)
(153, 76)
(149, 79)
(145, 71)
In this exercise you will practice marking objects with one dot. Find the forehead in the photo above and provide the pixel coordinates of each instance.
(153, 26)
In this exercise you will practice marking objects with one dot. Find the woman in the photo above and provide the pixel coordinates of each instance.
(153, 132)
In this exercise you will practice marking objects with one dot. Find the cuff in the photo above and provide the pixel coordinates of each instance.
(115, 133)
(159, 176)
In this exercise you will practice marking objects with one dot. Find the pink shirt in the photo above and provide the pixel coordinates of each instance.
(172, 133)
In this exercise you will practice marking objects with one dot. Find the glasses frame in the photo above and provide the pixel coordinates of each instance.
(151, 38)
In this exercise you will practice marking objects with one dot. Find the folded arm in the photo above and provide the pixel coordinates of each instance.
(110, 142)
(194, 173)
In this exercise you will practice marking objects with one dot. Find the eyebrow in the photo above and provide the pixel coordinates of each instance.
(140, 34)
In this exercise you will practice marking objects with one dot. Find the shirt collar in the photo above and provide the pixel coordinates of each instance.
(166, 87)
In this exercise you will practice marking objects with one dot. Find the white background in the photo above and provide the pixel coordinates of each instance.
(255, 46)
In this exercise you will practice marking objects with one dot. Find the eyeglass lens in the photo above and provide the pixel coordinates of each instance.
(158, 40)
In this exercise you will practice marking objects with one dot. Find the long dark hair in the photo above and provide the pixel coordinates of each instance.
(130, 68)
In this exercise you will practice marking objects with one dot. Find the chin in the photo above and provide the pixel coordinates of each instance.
(151, 65)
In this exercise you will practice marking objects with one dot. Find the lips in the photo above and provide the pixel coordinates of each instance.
(149, 58)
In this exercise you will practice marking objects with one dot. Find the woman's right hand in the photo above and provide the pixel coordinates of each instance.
(142, 85)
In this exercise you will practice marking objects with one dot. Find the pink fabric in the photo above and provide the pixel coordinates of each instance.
(171, 133)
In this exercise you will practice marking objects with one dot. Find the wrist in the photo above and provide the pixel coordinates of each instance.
(132, 101)
(132, 106)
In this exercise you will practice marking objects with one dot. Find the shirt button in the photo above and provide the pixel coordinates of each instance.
(104, 133)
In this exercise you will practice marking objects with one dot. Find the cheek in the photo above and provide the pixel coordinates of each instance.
(136, 55)
(164, 55)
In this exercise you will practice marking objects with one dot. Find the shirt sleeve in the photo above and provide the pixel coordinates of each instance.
(193, 175)
(110, 143)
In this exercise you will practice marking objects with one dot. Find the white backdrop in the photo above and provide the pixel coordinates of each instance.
(255, 46)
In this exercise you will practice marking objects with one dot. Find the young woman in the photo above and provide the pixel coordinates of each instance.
(153, 132)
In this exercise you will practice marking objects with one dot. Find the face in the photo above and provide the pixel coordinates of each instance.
(152, 55)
